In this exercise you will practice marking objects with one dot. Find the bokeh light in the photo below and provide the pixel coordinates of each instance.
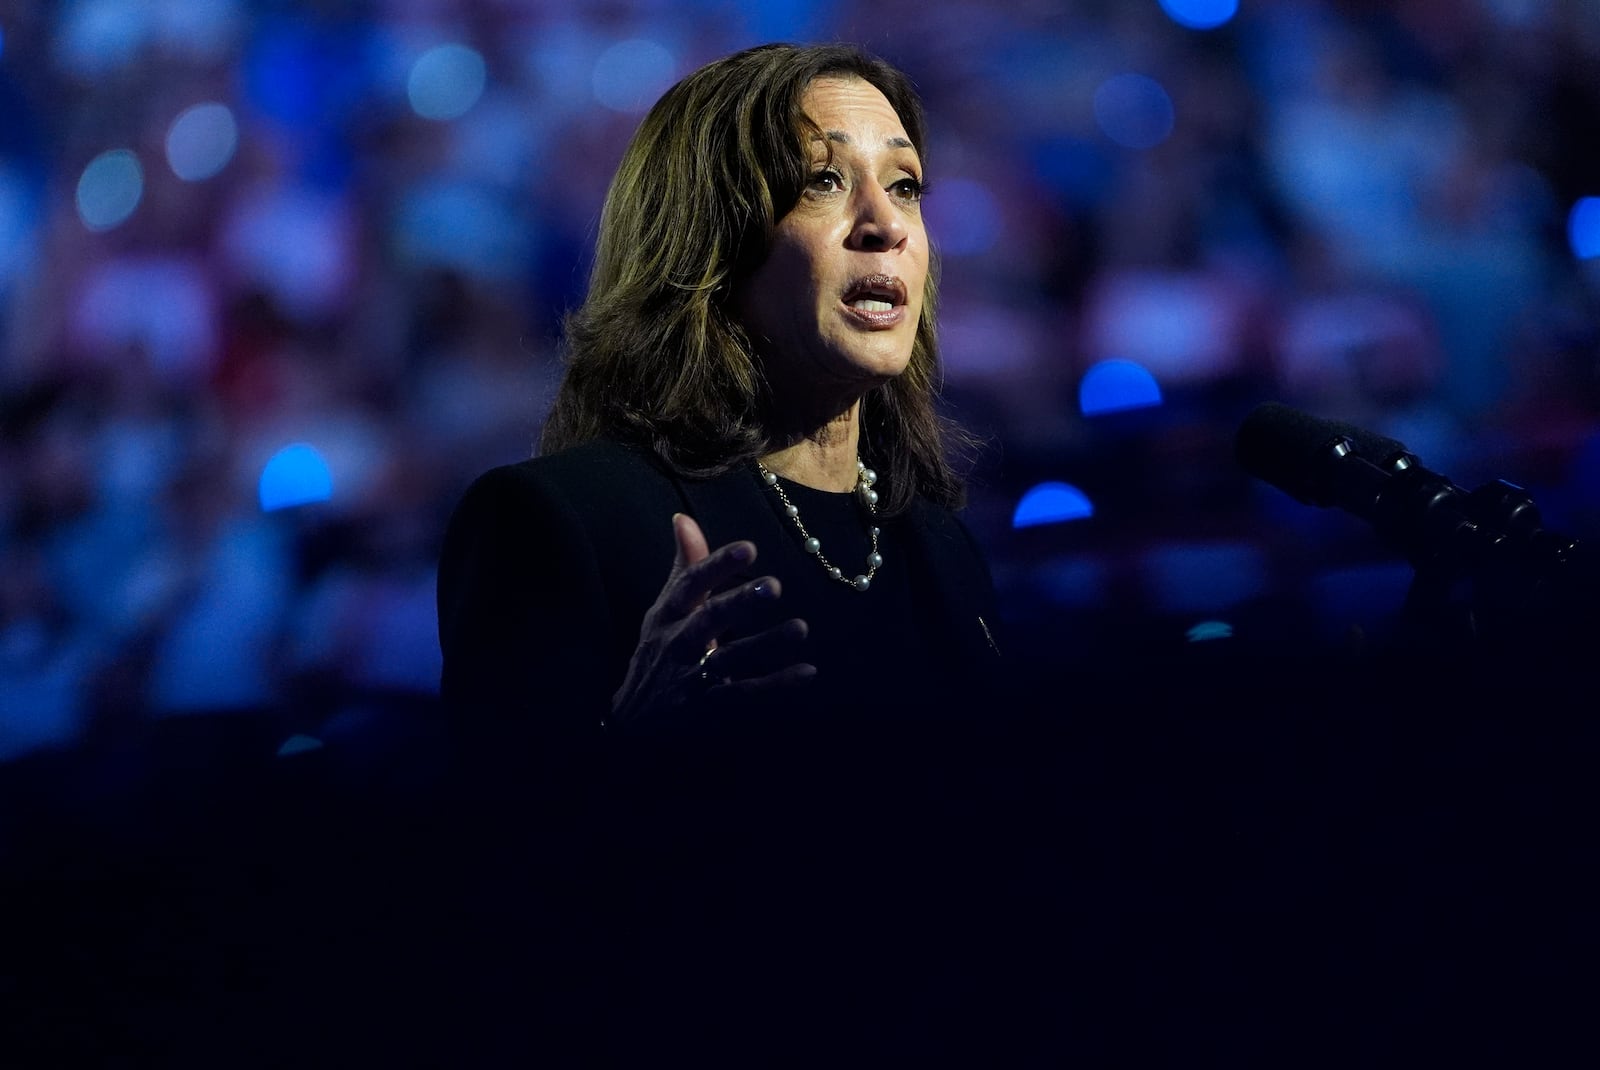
(1200, 14)
(109, 189)
(464, 227)
(201, 141)
(299, 743)
(1134, 111)
(296, 475)
(963, 217)
(446, 82)
(1209, 630)
(1583, 228)
(630, 75)
(17, 213)
(1051, 503)
(1117, 386)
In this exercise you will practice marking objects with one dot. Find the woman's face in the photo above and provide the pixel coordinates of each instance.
(833, 309)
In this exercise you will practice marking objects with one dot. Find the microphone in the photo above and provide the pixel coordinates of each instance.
(1492, 535)
(1295, 451)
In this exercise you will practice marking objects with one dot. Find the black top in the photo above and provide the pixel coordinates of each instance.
(758, 853)
(550, 565)
(869, 645)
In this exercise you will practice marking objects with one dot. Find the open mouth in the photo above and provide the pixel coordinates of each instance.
(876, 293)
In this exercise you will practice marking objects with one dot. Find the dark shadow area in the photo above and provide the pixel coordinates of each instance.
(1199, 854)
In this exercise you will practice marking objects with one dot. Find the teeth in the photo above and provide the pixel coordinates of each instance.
(871, 304)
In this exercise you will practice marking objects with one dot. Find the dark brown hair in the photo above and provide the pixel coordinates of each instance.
(656, 355)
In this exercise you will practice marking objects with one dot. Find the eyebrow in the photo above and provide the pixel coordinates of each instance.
(844, 139)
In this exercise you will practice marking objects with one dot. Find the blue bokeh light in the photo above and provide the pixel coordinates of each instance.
(964, 218)
(296, 475)
(1051, 503)
(445, 82)
(109, 189)
(1208, 631)
(1134, 111)
(1200, 14)
(630, 75)
(18, 222)
(1583, 228)
(1117, 386)
(201, 141)
(299, 744)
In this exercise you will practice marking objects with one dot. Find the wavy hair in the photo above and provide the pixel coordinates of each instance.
(656, 356)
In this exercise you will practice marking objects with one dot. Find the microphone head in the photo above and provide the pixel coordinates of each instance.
(1293, 450)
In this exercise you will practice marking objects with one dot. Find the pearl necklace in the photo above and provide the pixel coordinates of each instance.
(865, 478)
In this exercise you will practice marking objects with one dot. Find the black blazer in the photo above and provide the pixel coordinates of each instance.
(842, 844)
(549, 566)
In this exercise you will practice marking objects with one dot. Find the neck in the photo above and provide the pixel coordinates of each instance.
(823, 458)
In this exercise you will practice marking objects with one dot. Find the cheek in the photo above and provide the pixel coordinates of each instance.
(793, 276)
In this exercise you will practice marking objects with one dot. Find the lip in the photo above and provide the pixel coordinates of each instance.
(883, 287)
(877, 321)
(887, 286)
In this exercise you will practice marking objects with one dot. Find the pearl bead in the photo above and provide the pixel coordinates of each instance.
(868, 497)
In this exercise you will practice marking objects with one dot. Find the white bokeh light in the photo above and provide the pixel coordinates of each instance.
(201, 141)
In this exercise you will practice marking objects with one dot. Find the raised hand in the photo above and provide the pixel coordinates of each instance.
(701, 643)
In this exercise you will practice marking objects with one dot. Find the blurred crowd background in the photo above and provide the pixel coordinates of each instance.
(278, 280)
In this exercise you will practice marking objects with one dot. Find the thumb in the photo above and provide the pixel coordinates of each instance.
(691, 542)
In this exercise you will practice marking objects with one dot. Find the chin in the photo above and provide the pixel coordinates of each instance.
(879, 359)
(878, 371)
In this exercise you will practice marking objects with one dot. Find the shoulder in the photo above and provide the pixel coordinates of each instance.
(944, 533)
(572, 472)
(593, 485)
(572, 511)
(599, 511)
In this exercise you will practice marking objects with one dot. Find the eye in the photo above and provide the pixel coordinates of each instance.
(909, 189)
(827, 180)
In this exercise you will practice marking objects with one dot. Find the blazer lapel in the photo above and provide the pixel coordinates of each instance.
(952, 585)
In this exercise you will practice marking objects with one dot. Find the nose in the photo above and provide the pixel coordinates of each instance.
(879, 223)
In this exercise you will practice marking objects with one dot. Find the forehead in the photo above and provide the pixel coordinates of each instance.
(856, 109)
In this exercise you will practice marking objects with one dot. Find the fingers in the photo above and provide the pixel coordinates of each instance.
(790, 676)
(758, 655)
(740, 610)
(691, 542)
(693, 615)
(690, 583)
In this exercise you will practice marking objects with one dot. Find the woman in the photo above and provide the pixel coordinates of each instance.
(753, 370)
